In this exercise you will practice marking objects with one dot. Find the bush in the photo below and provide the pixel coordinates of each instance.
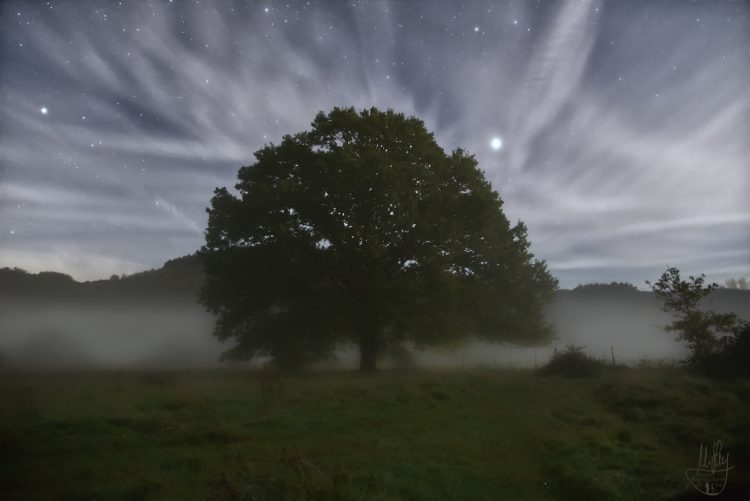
(730, 361)
(572, 362)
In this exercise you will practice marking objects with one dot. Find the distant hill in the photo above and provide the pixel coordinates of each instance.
(153, 318)
(610, 288)
(179, 279)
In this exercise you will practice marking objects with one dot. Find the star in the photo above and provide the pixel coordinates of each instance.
(471, 83)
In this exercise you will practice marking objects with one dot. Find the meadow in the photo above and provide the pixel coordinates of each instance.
(469, 434)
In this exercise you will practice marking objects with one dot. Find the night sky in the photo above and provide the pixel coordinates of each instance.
(618, 131)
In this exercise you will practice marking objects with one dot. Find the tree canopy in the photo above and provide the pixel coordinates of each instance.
(363, 229)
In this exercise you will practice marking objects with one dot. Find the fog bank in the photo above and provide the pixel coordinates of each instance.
(53, 333)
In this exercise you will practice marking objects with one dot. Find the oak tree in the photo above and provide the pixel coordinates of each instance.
(364, 230)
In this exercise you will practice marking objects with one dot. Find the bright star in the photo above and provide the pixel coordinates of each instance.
(43, 110)
(496, 143)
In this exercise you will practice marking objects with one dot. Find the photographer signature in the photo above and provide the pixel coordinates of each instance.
(710, 476)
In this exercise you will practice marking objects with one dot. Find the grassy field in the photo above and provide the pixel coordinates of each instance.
(392, 435)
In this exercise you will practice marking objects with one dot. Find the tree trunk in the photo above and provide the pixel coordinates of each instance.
(368, 348)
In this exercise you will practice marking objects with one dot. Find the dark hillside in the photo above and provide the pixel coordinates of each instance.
(179, 280)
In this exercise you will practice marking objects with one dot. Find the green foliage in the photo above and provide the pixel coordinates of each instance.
(363, 229)
(572, 362)
(705, 332)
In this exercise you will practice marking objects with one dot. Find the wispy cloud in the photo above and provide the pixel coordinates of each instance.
(624, 124)
(553, 77)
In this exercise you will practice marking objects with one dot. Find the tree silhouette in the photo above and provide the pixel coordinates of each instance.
(701, 329)
(363, 229)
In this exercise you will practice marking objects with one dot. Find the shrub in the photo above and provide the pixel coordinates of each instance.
(730, 361)
(572, 362)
